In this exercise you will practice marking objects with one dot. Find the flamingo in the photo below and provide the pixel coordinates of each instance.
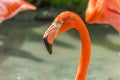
(104, 11)
(63, 22)
(9, 8)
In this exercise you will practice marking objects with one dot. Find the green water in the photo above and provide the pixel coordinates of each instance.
(23, 55)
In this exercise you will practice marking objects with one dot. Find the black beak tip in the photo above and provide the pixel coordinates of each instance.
(48, 45)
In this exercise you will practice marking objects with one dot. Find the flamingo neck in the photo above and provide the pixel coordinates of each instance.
(85, 55)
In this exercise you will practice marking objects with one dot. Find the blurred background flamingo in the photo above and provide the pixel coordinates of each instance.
(62, 23)
(9, 8)
(104, 11)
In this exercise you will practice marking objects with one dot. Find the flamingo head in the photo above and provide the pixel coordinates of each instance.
(62, 23)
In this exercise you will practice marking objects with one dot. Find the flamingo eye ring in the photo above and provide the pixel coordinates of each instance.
(57, 25)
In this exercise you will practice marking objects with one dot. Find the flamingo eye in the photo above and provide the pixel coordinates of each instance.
(58, 24)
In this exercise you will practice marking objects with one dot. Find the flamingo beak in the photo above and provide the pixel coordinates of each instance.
(50, 35)
(48, 46)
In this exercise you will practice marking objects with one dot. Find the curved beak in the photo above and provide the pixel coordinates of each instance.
(50, 35)
(48, 45)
